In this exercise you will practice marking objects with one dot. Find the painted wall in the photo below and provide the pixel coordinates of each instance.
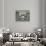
(35, 7)
(1, 15)
(44, 18)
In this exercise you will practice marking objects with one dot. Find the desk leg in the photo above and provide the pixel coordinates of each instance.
(13, 42)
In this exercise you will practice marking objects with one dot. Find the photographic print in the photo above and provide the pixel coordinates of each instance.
(22, 15)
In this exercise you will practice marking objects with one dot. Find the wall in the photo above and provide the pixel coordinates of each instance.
(1, 14)
(44, 18)
(35, 7)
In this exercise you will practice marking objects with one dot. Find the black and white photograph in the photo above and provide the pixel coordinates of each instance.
(22, 15)
(22, 22)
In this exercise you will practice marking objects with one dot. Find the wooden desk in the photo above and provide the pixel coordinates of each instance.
(24, 43)
(21, 39)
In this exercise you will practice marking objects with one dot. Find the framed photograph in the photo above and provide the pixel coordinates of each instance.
(22, 15)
